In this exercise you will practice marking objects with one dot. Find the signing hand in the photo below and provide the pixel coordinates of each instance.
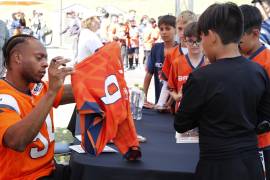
(57, 72)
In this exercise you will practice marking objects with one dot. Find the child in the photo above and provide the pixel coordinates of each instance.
(182, 66)
(166, 25)
(252, 48)
(183, 20)
(224, 100)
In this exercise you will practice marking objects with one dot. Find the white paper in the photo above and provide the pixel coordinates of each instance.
(187, 140)
(186, 137)
(79, 149)
(79, 137)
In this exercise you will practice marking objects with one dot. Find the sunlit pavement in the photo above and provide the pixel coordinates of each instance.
(63, 113)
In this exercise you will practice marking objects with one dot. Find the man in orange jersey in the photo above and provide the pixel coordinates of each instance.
(104, 108)
(26, 102)
(253, 49)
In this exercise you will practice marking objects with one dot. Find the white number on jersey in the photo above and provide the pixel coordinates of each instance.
(111, 98)
(35, 153)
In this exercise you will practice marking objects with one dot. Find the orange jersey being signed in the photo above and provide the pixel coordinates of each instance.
(262, 57)
(180, 70)
(175, 53)
(37, 159)
(102, 100)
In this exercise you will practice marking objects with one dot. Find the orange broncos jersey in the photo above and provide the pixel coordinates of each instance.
(169, 58)
(180, 70)
(102, 100)
(262, 57)
(37, 159)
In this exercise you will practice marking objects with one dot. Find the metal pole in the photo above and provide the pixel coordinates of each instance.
(177, 7)
(61, 8)
(190, 5)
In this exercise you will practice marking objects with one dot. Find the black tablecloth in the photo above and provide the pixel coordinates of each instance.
(162, 157)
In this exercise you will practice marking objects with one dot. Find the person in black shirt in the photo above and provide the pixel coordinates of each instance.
(226, 100)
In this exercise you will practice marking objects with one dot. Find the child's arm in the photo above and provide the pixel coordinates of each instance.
(176, 96)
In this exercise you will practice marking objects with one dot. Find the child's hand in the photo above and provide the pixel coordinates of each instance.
(148, 105)
(176, 96)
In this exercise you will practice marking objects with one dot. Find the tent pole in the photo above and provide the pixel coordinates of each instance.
(177, 7)
(61, 9)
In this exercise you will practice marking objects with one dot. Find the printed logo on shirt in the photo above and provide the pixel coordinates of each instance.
(158, 65)
(182, 78)
(37, 89)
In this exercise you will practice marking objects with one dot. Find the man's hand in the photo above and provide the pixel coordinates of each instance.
(57, 72)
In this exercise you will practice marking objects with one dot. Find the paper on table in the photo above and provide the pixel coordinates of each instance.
(79, 149)
(187, 140)
(79, 137)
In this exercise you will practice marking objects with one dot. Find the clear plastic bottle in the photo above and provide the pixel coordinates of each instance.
(139, 104)
(136, 102)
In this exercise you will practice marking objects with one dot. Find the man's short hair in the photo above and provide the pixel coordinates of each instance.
(225, 19)
(191, 30)
(167, 20)
(252, 17)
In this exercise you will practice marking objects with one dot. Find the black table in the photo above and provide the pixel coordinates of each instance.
(162, 157)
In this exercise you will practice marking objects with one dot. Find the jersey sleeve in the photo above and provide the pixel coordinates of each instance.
(172, 79)
(166, 67)
(9, 114)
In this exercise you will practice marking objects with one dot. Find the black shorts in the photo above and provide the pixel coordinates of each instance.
(245, 167)
(133, 50)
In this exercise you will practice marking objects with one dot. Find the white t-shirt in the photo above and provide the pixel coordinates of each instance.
(88, 43)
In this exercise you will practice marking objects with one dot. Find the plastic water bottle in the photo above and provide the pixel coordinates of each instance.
(139, 105)
(136, 103)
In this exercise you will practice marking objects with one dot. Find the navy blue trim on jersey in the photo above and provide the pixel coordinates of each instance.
(190, 64)
(8, 107)
(180, 49)
(257, 52)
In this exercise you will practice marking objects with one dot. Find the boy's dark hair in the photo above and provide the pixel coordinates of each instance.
(252, 17)
(191, 30)
(225, 19)
(167, 20)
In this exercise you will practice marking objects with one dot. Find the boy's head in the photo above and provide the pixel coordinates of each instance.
(220, 25)
(166, 25)
(252, 26)
(191, 39)
(183, 19)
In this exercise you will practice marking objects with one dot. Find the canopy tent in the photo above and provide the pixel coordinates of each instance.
(113, 10)
(20, 2)
(78, 8)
